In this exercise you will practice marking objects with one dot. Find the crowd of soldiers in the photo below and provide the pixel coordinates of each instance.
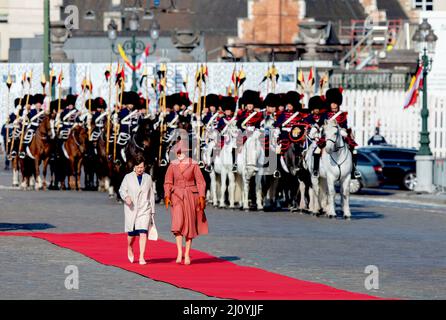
(282, 111)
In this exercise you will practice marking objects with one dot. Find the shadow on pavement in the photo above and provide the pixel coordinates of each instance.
(366, 215)
(25, 226)
(230, 258)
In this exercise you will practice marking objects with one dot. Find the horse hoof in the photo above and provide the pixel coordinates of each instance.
(347, 217)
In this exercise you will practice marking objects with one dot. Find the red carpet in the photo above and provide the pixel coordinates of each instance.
(207, 274)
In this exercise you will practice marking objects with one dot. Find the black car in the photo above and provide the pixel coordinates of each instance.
(399, 165)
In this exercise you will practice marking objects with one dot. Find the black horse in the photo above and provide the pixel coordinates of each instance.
(296, 176)
(144, 141)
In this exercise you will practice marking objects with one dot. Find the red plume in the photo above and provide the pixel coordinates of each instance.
(341, 89)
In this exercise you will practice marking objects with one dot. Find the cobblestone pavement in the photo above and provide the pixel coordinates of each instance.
(404, 240)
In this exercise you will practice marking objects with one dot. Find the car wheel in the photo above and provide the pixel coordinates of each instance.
(355, 186)
(409, 181)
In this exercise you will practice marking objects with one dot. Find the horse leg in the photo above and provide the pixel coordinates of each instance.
(231, 189)
(331, 209)
(246, 184)
(38, 185)
(315, 206)
(345, 197)
(15, 173)
(214, 188)
(259, 193)
(71, 176)
(78, 175)
(44, 169)
(223, 175)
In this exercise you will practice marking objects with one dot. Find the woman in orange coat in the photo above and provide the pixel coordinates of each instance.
(184, 189)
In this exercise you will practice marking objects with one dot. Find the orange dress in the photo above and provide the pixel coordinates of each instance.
(184, 184)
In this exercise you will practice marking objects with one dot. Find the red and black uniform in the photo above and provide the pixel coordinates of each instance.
(253, 122)
(341, 119)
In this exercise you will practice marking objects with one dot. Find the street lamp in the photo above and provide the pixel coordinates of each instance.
(424, 40)
(133, 47)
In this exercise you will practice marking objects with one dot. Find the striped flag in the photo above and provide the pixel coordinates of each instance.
(311, 78)
(60, 78)
(415, 84)
(301, 79)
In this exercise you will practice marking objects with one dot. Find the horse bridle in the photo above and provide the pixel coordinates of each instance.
(139, 147)
(336, 149)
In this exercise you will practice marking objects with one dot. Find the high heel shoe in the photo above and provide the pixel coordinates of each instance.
(131, 258)
(179, 258)
(187, 260)
(142, 262)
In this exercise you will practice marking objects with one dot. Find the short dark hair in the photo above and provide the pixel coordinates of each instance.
(139, 158)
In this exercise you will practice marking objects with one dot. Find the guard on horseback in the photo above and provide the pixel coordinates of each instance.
(334, 101)
(35, 116)
(249, 116)
(210, 112)
(318, 108)
(11, 131)
(125, 121)
(68, 116)
(228, 119)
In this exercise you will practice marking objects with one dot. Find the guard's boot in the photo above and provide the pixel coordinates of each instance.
(13, 154)
(317, 159)
(355, 173)
(234, 166)
(22, 155)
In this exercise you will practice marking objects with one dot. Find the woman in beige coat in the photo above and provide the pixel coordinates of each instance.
(139, 197)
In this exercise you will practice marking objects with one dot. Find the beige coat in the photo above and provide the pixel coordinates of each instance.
(143, 197)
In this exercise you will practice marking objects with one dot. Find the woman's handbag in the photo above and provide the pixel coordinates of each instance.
(153, 233)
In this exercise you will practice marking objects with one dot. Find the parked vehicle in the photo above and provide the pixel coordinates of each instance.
(399, 165)
(371, 169)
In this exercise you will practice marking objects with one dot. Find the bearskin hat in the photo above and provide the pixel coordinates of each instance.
(71, 99)
(317, 102)
(251, 97)
(334, 95)
(293, 98)
(271, 100)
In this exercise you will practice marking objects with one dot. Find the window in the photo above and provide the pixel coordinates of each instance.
(363, 160)
(425, 5)
(3, 18)
(396, 155)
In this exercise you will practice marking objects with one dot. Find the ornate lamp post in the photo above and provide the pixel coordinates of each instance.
(133, 47)
(425, 40)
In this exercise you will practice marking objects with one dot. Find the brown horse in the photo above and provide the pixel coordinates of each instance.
(74, 149)
(41, 148)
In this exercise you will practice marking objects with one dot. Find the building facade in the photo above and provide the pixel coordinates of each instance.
(22, 19)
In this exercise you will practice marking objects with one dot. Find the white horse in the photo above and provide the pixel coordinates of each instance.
(250, 163)
(335, 165)
(223, 164)
(210, 137)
